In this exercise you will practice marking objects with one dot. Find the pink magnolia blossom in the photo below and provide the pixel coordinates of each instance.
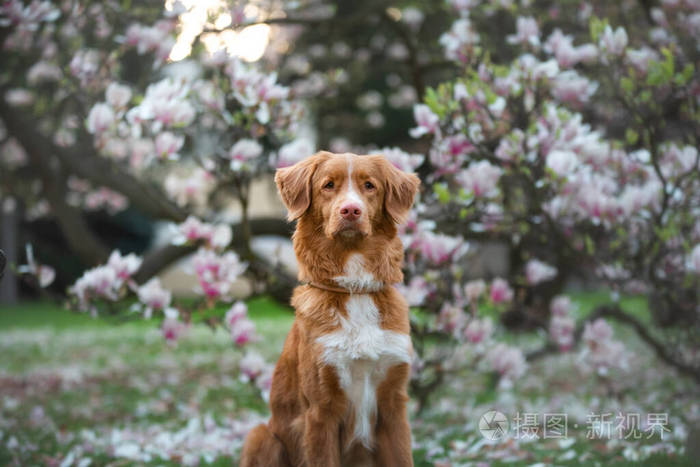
(12, 154)
(634, 198)
(210, 95)
(500, 291)
(449, 154)
(561, 331)
(191, 188)
(601, 352)
(102, 197)
(507, 361)
(560, 305)
(536, 272)
(242, 329)
(566, 54)
(172, 328)
(194, 230)
(451, 319)
(480, 178)
(44, 274)
(427, 121)
(416, 291)
(166, 104)
(167, 145)
(460, 40)
(478, 330)
(100, 282)
(439, 248)
(42, 72)
(191, 231)
(571, 88)
(251, 365)
(243, 152)
(527, 32)
(156, 39)
(473, 290)
(216, 273)
(124, 266)
(85, 64)
(597, 331)
(154, 297)
(641, 58)
(100, 118)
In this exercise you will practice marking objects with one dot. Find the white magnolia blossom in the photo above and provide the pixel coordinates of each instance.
(118, 95)
(100, 118)
(613, 42)
(154, 297)
(44, 274)
(460, 40)
(480, 178)
(507, 361)
(562, 163)
(528, 33)
(537, 271)
(291, 153)
(695, 258)
(244, 151)
(191, 188)
(401, 159)
(168, 144)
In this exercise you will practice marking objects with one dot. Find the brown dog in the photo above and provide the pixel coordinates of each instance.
(339, 388)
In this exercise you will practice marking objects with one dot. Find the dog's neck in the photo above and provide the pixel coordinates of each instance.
(355, 264)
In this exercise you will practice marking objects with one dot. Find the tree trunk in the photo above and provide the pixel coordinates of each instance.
(9, 227)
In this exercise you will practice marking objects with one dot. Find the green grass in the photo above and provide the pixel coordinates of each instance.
(88, 374)
(262, 310)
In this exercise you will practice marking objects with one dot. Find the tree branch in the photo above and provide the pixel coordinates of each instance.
(84, 162)
(616, 313)
(159, 259)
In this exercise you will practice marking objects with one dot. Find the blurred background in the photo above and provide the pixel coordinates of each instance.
(552, 256)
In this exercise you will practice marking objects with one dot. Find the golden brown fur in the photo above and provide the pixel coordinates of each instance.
(313, 421)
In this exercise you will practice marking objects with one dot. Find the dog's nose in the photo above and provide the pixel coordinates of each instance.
(350, 212)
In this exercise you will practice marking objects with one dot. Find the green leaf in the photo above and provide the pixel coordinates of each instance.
(596, 27)
(627, 85)
(685, 76)
(631, 136)
(442, 192)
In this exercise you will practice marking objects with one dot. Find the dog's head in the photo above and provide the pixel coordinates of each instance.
(349, 196)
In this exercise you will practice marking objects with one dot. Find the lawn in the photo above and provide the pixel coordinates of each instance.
(81, 391)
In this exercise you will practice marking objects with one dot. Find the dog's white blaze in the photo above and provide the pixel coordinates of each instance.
(362, 352)
(355, 277)
(351, 194)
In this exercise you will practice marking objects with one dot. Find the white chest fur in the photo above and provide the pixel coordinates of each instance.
(362, 352)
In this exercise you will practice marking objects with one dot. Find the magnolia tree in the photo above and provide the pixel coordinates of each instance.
(569, 139)
(577, 149)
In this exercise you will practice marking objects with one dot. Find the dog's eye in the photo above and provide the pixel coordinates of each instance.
(328, 186)
(369, 185)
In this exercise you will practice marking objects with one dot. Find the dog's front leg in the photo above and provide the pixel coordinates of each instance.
(393, 433)
(321, 438)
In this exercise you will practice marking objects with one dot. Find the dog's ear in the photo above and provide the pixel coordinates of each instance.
(294, 184)
(401, 188)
